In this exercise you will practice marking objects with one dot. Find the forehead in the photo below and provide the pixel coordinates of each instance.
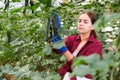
(84, 17)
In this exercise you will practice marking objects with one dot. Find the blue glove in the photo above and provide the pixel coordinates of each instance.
(57, 20)
(58, 44)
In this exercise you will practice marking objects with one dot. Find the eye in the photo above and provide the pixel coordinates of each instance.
(79, 21)
(85, 22)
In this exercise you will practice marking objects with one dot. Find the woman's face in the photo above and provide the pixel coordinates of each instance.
(84, 24)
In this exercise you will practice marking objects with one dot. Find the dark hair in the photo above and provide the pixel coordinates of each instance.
(93, 18)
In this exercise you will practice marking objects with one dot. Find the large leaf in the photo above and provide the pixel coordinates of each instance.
(53, 76)
(16, 0)
(47, 49)
(91, 65)
(103, 21)
(112, 17)
(86, 60)
(37, 78)
(15, 10)
(47, 3)
(82, 70)
(118, 41)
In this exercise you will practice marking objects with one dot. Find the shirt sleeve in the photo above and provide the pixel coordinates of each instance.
(68, 42)
(65, 68)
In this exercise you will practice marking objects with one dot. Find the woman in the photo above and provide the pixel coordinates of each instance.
(83, 44)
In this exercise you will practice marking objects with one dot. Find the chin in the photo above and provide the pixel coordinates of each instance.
(82, 32)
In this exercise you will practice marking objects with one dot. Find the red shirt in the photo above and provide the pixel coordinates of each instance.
(92, 46)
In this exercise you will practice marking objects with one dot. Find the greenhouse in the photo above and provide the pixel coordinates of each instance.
(36, 39)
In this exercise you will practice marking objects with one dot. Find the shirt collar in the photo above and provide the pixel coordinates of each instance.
(91, 38)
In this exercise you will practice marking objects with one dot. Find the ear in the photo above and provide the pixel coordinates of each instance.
(92, 28)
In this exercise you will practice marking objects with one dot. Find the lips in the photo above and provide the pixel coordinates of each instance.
(80, 27)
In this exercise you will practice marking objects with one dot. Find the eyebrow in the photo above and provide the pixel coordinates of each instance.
(83, 19)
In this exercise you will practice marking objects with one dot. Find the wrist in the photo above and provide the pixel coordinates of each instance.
(68, 56)
(63, 49)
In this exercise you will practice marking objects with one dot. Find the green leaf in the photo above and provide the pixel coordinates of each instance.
(94, 65)
(2, 52)
(103, 21)
(117, 56)
(47, 49)
(62, 58)
(24, 68)
(35, 6)
(15, 10)
(99, 24)
(78, 61)
(81, 70)
(112, 17)
(86, 59)
(16, 0)
(37, 78)
(46, 2)
(53, 77)
(118, 41)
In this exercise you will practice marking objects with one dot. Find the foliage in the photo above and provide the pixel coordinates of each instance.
(23, 54)
(102, 22)
(94, 66)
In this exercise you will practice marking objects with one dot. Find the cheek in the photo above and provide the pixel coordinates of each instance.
(89, 26)
(86, 29)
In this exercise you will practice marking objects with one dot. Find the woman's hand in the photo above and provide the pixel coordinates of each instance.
(58, 44)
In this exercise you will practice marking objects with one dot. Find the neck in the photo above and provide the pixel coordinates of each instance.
(84, 37)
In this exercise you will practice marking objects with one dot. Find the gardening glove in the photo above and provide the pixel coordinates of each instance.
(58, 44)
(57, 19)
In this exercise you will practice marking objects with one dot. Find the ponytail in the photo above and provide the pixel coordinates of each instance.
(93, 32)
